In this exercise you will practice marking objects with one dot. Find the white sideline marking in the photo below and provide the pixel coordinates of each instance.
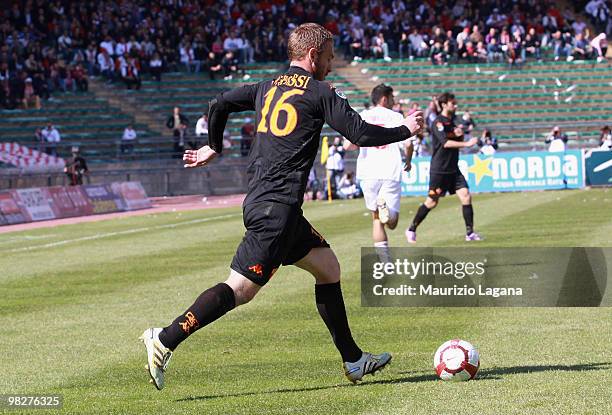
(126, 232)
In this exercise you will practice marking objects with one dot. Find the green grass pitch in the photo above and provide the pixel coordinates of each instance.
(75, 298)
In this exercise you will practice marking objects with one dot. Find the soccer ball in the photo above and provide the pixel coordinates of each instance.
(456, 360)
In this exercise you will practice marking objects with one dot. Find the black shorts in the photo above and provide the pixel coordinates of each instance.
(442, 183)
(276, 234)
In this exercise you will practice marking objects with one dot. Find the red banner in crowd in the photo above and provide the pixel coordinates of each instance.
(35, 204)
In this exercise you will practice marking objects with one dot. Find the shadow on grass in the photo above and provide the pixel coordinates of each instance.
(417, 377)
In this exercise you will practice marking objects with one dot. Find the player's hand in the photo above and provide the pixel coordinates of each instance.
(471, 142)
(415, 122)
(407, 165)
(199, 158)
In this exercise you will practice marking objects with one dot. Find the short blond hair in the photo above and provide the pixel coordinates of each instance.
(305, 37)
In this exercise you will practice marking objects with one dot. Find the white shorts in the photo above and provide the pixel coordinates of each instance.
(390, 190)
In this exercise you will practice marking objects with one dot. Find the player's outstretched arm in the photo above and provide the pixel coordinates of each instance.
(461, 144)
(344, 119)
(409, 151)
(236, 100)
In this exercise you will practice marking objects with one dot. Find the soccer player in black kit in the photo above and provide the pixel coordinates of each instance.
(444, 173)
(291, 111)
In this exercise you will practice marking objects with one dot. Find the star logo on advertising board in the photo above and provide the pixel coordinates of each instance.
(481, 168)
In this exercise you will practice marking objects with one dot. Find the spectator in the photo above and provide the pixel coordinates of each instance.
(357, 42)
(76, 168)
(420, 146)
(432, 111)
(183, 138)
(247, 133)
(130, 74)
(605, 139)
(234, 43)
(380, 48)
(483, 138)
(496, 19)
(404, 46)
(515, 52)
(557, 140)
(155, 66)
(487, 149)
(579, 47)
(494, 51)
(468, 125)
(335, 167)
(468, 52)
(52, 138)
(121, 47)
(437, 55)
(532, 44)
(491, 35)
(463, 36)
(230, 65)
(5, 91)
(188, 58)
(562, 44)
(201, 129)
(213, 65)
(313, 184)
(29, 95)
(106, 65)
(107, 45)
(128, 139)
(600, 46)
(481, 52)
(418, 47)
(476, 35)
(174, 123)
(39, 140)
(80, 82)
(347, 188)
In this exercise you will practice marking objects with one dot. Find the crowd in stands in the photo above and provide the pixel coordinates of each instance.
(55, 46)
(50, 46)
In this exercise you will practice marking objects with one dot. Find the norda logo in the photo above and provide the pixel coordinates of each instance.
(506, 167)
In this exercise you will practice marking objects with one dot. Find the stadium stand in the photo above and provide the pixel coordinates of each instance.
(82, 119)
(519, 106)
(50, 43)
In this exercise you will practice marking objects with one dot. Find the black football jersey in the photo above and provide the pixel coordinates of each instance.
(290, 112)
(444, 160)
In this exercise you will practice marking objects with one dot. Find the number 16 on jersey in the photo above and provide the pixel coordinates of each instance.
(280, 105)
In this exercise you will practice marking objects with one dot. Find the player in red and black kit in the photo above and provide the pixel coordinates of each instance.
(444, 174)
(290, 113)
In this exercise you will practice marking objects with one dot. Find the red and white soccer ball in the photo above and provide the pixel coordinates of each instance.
(456, 360)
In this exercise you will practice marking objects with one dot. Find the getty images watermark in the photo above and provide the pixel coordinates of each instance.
(459, 277)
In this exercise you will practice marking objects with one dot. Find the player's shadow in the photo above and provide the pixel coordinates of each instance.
(485, 374)
(498, 372)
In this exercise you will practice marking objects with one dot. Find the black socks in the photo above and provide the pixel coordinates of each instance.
(419, 217)
(209, 306)
(331, 308)
(468, 216)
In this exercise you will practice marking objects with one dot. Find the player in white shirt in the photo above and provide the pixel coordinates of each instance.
(379, 169)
